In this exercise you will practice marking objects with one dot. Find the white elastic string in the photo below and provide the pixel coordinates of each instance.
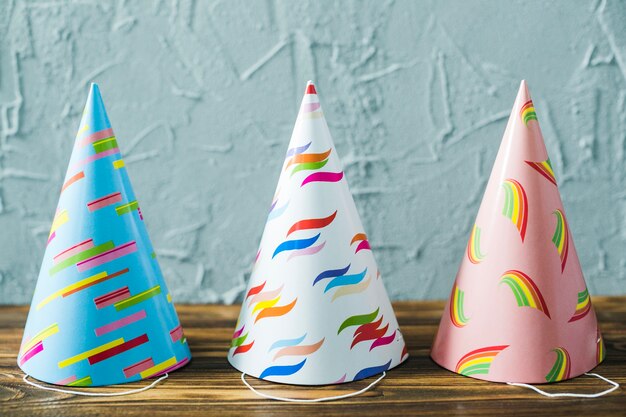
(568, 394)
(314, 400)
(93, 394)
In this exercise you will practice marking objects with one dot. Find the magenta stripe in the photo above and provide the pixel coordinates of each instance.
(107, 256)
(310, 107)
(124, 321)
(66, 380)
(101, 134)
(138, 367)
(31, 352)
(104, 201)
(323, 177)
(363, 245)
(172, 368)
(97, 156)
(177, 333)
(52, 236)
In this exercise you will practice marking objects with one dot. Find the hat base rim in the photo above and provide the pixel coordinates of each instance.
(534, 382)
(312, 384)
(108, 384)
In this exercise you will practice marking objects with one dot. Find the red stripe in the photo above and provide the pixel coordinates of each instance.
(312, 223)
(310, 89)
(243, 348)
(99, 357)
(106, 197)
(495, 349)
(255, 290)
(111, 295)
(75, 246)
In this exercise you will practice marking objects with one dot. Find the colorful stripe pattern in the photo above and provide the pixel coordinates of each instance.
(544, 168)
(527, 113)
(516, 205)
(368, 329)
(238, 342)
(600, 349)
(478, 361)
(474, 253)
(457, 314)
(267, 304)
(113, 320)
(364, 244)
(562, 366)
(583, 307)
(560, 238)
(525, 290)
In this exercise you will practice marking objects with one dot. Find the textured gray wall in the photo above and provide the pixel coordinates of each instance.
(203, 96)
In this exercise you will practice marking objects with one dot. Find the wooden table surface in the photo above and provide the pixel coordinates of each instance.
(209, 386)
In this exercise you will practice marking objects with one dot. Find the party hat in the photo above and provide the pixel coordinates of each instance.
(101, 313)
(316, 311)
(519, 309)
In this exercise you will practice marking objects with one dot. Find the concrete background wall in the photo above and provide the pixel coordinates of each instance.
(203, 95)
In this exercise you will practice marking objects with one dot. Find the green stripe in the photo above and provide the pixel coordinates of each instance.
(136, 299)
(105, 144)
(481, 368)
(86, 254)
(358, 320)
(460, 302)
(238, 341)
(83, 382)
(309, 166)
(508, 202)
(127, 208)
(556, 238)
(522, 301)
(582, 296)
(551, 377)
(530, 116)
(479, 255)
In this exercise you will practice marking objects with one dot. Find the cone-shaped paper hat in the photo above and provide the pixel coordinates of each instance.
(519, 309)
(101, 313)
(316, 310)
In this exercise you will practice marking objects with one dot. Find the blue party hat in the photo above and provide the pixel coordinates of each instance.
(101, 313)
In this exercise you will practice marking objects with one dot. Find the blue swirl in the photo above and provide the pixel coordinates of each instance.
(331, 273)
(298, 150)
(346, 280)
(367, 372)
(287, 342)
(295, 244)
(284, 370)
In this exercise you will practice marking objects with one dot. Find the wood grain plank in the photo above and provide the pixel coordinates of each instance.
(209, 386)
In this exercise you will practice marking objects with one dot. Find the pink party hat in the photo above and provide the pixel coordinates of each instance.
(316, 311)
(519, 309)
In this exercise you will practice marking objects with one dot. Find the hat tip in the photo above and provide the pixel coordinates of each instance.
(310, 88)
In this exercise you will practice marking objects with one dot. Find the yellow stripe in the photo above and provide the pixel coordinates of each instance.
(100, 142)
(516, 204)
(71, 287)
(156, 368)
(548, 168)
(265, 304)
(83, 382)
(119, 164)
(85, 355)
(582, 304)
(47, 332)
(524, 287)
(563, 368)
(59, 220)
(169, 297)
(478, 361)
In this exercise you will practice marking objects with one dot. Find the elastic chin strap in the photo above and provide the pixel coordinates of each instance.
(569, 394)
(314, 400)
(93, 394)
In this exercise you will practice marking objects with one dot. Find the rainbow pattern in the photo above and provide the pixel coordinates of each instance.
(293, 347)
(561, 237)
(473, 247)
(562, 366)
(307, 161)
(527, 113)
(265, 302)
(516, 205)
(525, 290)
(544, 168)
(600, 350)
(456, 307)
(583, 306)
(478, 361)
(238, 340)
